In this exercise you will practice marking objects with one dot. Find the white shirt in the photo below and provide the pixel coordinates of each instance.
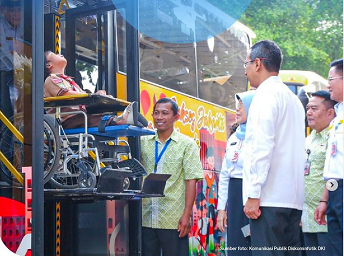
(334, 163)
(229, 169)
(274, 147)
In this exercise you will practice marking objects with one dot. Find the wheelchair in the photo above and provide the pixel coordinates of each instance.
(75, 158)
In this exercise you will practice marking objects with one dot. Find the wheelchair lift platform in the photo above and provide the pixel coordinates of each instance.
(94, 103)
(110, 187)
(92, 195)
(114, 131)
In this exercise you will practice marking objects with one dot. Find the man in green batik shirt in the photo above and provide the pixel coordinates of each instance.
(320, 112)
(166, 220)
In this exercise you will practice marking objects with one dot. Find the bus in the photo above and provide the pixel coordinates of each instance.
(105, 52)
(297, 80)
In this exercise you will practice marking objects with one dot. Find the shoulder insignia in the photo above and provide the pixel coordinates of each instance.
(56, 80)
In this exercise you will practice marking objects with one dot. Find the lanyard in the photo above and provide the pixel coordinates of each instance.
(158, 156)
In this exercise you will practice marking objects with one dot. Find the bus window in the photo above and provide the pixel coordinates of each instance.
(293, 88)
(220, 69)
(168, 64)
(86, 47)
(121, 42)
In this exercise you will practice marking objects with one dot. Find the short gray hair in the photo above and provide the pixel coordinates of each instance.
(269, 53)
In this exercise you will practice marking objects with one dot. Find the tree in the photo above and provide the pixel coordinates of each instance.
(309, 32)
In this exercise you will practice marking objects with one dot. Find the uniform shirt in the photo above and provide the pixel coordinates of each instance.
(56, 85)
(275, 147)
(182, 160)
(230, 169)
(314, 182)
(334, 163)
(8, 36)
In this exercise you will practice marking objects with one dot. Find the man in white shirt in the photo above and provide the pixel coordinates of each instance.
(273, 184)
(332, 202)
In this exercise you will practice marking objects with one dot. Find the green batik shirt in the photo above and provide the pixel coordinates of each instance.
(314, 181)
(182, 160)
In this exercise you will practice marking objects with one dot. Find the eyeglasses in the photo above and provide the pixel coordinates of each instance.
(250, 61)
(333, 78)
(246, 62)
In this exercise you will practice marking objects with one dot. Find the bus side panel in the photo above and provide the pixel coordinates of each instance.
(208, 126)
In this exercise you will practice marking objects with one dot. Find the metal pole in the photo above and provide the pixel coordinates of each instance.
(37, 128)
(133, 92)
(110, 65)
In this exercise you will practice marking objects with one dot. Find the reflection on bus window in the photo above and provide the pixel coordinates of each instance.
(221, 73)
(168, 64)
(121, 42)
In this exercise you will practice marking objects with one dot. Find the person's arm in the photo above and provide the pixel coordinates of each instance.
(223, 190)
(262, 127)
(190, 194)
(70, 92)
(192, 173)
(320, 211)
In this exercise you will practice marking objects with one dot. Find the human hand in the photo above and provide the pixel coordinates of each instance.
(221, 220)
(320, 213)
(251, 208)
(184, 225)
(101, 92)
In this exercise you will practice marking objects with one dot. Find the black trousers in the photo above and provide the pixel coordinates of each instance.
(276, 227)
(335, 219)
(167, 241)
(320, 241)
(236, 219)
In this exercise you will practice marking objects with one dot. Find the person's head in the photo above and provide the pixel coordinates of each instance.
(54, 63)
(201, 205)
(320, 110)
(210, 157)
(11, 9)
(263, 60)
(335, 80)
(243, 103)
(165, 113)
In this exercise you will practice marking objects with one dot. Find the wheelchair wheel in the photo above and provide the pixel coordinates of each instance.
(87, 180)
(52, 147)
(69, 178)
(12, 148)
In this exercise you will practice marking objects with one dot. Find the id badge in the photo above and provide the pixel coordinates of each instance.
(334, 148)
(307, 168)
(235, 157)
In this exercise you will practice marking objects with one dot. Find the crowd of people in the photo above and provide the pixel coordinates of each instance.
(272, 182)
(287, 181)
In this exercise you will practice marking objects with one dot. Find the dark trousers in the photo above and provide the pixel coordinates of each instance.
(236, 219)
(320, 241)
(78, 121)
(166, 240)
(335, 219)
(276, 227)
